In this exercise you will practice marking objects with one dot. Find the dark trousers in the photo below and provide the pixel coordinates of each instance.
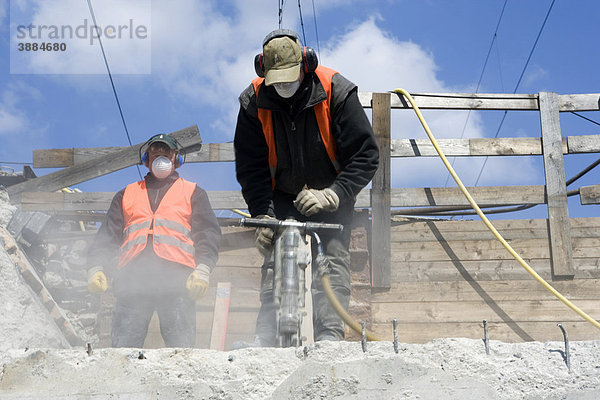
(132, 315)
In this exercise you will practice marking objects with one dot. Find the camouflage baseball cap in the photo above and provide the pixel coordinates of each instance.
(282, 57)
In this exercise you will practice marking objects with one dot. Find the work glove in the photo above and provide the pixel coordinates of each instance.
(197, 282)
(311, 201)
(97, 282)
(264, 237)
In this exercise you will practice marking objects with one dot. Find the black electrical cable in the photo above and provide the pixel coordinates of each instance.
(586, 118)
(111, 79)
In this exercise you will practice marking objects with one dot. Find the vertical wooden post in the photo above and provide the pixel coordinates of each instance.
(380, 195)
(556, 189)
(219, 325)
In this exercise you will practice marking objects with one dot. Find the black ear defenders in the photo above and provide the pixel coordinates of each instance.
(310, 61)
(169, 141)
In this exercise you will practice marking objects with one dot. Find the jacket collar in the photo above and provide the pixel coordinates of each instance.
(310, 93)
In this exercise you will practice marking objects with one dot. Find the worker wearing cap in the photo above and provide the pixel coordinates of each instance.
(159, 243)
(304, 148)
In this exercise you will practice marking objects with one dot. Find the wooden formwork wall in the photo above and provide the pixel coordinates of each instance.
(439, 279)
(449, 276)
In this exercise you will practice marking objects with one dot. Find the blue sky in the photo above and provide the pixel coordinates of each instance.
(199, 57)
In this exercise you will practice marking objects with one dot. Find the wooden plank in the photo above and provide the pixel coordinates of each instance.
(380, 194)
(461, 101)
(525, 289)
(402, 224)
(579, 102)
(488, 101)
(589, 194)
(468, 147)
(100, 201)
(514, 332)
(477, 310)
(486, 250)
(59, 158)
(223, 152)
(583, 144)
(226, 200)
(558, 210)
(53, 158)
(219, 322)
(94, 168)
(452, 196)
(485, 270)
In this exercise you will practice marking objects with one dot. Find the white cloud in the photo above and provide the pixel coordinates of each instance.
(379, 62)
(124, 27)
(17, 131)
(13, 119)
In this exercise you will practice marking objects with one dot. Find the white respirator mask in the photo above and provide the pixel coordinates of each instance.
(161, 167)
(288, 89)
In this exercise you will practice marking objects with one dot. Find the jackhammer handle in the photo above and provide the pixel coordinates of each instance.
(277, 223)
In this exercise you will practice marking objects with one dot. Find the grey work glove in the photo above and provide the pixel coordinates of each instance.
(311, 201)
(264, 238)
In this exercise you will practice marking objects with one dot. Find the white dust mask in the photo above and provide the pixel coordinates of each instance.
(161, 167)
(288, 89)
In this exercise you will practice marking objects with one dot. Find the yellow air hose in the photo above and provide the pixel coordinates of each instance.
(487, 222)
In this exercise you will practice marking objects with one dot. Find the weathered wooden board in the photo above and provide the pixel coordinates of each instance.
(103, 165)
(422, 231)
(461, 290)
(380, 194)
(488, 101)
(223, 152)
(220, 316)
(225, 200)
(485, 270)
(477, 310)
(556, 189)
(59, 158)
(589, 194)
(510, 333)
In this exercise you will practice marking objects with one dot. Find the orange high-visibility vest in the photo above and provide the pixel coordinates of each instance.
(169, 225)
(322, 113)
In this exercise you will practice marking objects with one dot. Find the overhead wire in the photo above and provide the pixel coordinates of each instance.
(112, 83)
(586, 118)
(518, 83)
(280, 4)
(487, 57)
(301, 22)
(316, 30)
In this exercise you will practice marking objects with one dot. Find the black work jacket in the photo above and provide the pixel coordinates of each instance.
(147, 268)
(302, 159)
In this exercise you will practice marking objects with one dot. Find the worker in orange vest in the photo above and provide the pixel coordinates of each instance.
(304, 148)
(166, 238)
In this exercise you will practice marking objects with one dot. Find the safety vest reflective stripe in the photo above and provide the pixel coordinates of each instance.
(169, 226)
(173, 226)
(136, 227)
(322, 114)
